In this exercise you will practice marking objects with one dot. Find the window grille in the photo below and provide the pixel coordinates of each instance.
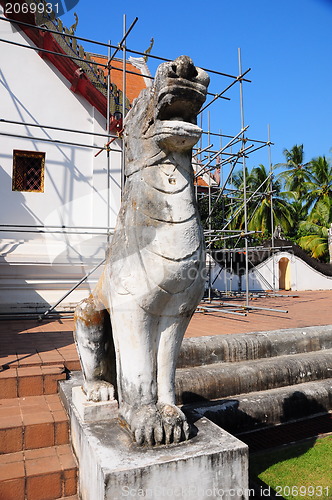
(28, 171)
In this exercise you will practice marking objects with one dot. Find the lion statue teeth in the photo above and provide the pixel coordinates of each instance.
(129, 331)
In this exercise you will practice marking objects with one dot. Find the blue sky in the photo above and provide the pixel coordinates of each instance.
(286, 43)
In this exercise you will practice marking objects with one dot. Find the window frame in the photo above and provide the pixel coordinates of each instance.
(19, 153)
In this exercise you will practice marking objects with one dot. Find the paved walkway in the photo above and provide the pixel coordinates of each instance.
(310, 308)
(26, 343)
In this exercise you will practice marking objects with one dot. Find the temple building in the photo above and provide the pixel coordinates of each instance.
(60, 159)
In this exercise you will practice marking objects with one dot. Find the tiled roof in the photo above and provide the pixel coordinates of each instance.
(134, 82)
(200, 182)
(205, 179)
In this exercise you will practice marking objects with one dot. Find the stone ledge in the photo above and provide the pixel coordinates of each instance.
(231, 348)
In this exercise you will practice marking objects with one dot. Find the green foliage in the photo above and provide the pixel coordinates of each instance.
(296, 174)
(217, 219)
(313, 232)
(309, 189)
(264, 202)
(319, 187)
(218, 214)
(299, 213)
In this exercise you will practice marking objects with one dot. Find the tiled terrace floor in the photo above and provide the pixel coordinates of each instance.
(26, 343)
(310, 308)
(35, 458)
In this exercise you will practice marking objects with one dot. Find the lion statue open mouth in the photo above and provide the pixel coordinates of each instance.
(154, 275)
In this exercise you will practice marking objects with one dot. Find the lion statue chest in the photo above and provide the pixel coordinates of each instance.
(159, 237)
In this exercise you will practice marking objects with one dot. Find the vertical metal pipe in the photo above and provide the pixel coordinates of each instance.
(124, 91)
(201, 138)
(108, 125)
(209, 186)
(210, 216)
(271, 206)
(221, 182)
(244, 182)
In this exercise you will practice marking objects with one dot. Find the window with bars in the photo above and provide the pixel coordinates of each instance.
(28, 171)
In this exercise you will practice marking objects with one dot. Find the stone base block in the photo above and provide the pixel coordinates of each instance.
(90, 411)
(212, 464)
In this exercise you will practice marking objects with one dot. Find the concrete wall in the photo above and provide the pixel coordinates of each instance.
(283, 271)
(32, 90)
(298, 273)
(221, 279)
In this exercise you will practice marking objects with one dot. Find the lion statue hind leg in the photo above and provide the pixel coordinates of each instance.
(94, 342)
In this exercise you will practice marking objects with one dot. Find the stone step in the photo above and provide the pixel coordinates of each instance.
(32, 422)
(199, 351)
(24, 360)
(40, 474)
(30, 381)
(227, 379)
(246, 412)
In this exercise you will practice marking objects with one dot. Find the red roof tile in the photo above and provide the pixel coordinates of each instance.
(134, 82)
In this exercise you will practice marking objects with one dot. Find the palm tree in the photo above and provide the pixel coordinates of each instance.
(237, 178)
(296, 174)
(319, 187)
(260, 197)
(236, 213)
(218, 214)
(282, 211)
(299, 214)
(314, 232)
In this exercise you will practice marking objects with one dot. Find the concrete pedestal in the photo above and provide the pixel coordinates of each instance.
(212, 464)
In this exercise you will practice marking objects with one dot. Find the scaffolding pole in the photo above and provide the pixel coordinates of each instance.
(89, 40)
(244, 182)
(201, 308)
(272, 217)
(46, 313)
(239, 78)
(256, 308)
(124, 84)
(108, 125)
(58, 141)
(61, 129)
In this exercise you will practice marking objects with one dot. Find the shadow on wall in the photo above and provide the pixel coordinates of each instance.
(12, 241)
(66, 155)
(63, 180)
(13, 205)
(67, 257)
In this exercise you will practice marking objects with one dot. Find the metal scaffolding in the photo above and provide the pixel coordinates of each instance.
(206, 158)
